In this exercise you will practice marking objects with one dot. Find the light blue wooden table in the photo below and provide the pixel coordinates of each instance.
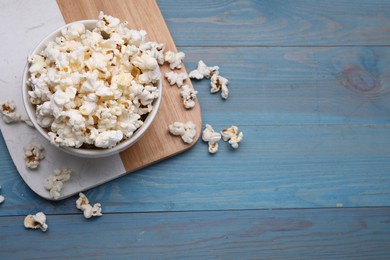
(310, 83)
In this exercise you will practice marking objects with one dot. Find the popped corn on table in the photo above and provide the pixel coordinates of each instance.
(309, 87)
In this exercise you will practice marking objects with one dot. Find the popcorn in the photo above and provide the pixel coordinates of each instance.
(36, 221)
(174, 59)
(54, 183)
(144, 62)
(74, 31)
(154, 49)
(188, 95)
(203, 71)
(108, 139)
(187, 131)
(176, 78)
(7, 109)
(92, 87)
(217, 83)
(33, 153)
(107, 23)
(231, 134)
(89, 211)
(212, 137)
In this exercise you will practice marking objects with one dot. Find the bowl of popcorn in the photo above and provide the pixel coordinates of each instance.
(93, 87)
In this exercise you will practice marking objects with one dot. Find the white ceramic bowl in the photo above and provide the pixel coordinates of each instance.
(84, 152)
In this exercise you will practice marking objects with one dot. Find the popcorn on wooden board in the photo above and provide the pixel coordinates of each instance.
(188, 96)
(187, 131)
(174, 59)
(176, 78)
(90, 85)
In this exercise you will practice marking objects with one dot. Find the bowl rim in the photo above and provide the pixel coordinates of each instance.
(82, 152)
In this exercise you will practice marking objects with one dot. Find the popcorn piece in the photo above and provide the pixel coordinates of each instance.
(33, 153)
(89, 211)
(107, 23)
(154, 49)
(92, 211)
(212, 137)
(176, 78)
(54, 183)
(144, 62)
(74, 31)
(7, 109)
(235, 140)
(174, 59)
(94, 86)
(217, 83)
(108, 139)
(36, 221)
(203, 71)
(231, 134)
(188, 95)
(187, 131)
(82, 201)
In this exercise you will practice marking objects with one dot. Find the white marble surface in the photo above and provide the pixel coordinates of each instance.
(24, 24)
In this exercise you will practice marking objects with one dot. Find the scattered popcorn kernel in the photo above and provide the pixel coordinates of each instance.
(176, 78)
(33, 153)
(217, 83)
(92, 211)
(188, 95)
(231, 134)
(235, 140)
(174, 59)
(203, 71)
(7, 109)
(89, 211)
(92, 87)
(36, 221)
(187, 131)
(82, 201)
(213, 147)
(55, 182)
(212, 137)
(177, 128)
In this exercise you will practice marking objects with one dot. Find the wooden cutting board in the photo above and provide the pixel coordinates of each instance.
(157, 143)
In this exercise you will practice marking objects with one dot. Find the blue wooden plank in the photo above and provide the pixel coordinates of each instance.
(295, 166)
(277, 23)
(291, 85)
(279, 234)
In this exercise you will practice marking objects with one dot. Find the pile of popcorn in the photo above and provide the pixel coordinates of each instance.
(95, 87)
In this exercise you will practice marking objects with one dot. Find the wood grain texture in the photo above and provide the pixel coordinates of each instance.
(315, 115)
(296, 85)
(296, 166)
(146, 15)
(277, 23)
(281, 234)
